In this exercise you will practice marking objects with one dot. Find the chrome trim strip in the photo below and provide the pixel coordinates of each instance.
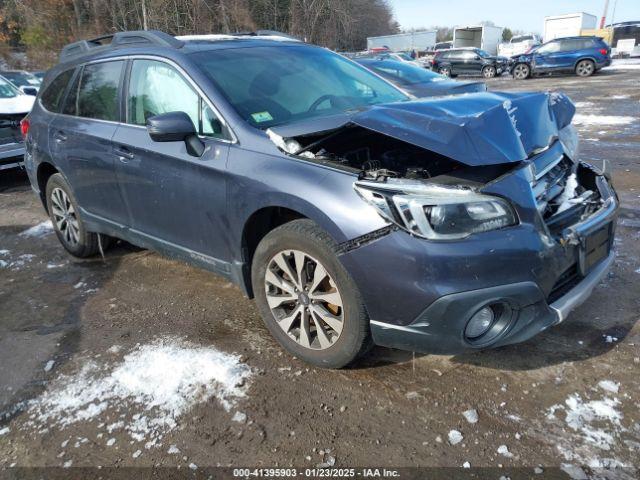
(578, 294)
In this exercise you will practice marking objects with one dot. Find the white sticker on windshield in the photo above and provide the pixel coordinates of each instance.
(260, 117)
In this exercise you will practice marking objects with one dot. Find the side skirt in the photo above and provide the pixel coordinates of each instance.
(232, 271)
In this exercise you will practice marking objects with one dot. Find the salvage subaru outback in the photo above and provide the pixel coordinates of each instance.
(354, 214)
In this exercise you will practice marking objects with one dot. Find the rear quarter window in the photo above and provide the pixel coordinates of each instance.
(54, 93)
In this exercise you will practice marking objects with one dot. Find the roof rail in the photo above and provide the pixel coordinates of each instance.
(266, 33)
(119, 39)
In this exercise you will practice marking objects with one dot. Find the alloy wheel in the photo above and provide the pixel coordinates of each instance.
(521, 71)
(445, 71)
(304, 299)
(489, 72)
(65, 217)
(584, 68)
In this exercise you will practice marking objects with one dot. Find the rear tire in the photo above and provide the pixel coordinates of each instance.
(446, 71)
(300, 257)
(489, 71)
(64, 212)
(585, 68)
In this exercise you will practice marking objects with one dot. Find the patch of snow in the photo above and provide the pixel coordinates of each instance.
(504, 451)
(471, 415)
(49, 365)
(193, 466)
(67, 464)
(239, 417)
(609, 386)
(79, 285)
(110, 442)
(38, 231)
(619, 97)
(574, 472)
(114, 349)
(4, 252)
(164, 379)
(4, 431)
(580, 119)
(609, 339)
(137, 453)
(466, 465)
(455, 437)
(583, 104)
(622, 66)
(51, 266)
(173, 450)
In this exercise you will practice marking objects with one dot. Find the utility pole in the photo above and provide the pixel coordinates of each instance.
(145, 25)
(604, 14)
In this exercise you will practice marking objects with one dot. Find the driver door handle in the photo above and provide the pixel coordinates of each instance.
(124, 154)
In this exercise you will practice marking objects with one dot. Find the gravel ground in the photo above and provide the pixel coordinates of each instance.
(132, 326)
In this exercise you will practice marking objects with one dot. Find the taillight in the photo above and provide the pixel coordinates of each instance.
(603, 51)
(24, 127)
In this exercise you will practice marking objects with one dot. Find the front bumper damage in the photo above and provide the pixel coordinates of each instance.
(427, 297)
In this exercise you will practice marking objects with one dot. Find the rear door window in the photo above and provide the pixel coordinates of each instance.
(54, 94)
(95, 93)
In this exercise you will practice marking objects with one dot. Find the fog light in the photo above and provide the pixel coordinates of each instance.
(480, 323)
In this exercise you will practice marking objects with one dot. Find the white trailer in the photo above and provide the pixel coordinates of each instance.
(478, 36)
(570, 25)
(404, 42)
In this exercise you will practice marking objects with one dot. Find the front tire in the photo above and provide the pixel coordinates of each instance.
(65, 215)
(585, 68)
(308, 301)
(521, 71)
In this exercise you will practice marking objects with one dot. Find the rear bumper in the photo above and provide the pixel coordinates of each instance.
(11, 155)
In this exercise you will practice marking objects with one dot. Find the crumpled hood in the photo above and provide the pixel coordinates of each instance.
(475, 129)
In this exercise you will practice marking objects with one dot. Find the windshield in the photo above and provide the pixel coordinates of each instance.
(21, 79)
(404, 72)
(7, 90)
(275, 85)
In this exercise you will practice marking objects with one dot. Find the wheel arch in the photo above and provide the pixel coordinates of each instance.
(580, 59)
(44, 172)
(265, 219)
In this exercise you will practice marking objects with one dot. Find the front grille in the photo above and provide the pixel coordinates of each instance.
(549, 186)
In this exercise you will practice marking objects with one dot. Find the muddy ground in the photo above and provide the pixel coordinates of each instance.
(570, 396)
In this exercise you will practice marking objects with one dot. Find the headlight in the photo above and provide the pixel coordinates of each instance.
(435, 212)
(570, 141)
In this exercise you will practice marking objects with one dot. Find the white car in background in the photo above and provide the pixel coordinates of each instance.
(25, 81)
(519, 45)
(14, 106)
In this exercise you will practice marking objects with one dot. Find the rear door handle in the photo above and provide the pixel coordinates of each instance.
(59, 137)
(124, 154)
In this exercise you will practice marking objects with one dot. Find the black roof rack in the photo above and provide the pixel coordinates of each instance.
(119, 39)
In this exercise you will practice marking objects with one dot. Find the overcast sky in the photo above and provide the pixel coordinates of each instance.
(524, 15)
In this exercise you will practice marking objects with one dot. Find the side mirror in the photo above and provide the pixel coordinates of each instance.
(175, 127)
(477, 57)
(30, 91)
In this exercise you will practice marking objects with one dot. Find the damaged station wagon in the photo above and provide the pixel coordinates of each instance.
(353, 213)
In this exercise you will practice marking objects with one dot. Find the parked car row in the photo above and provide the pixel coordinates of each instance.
(582, 55)
(18, 90)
